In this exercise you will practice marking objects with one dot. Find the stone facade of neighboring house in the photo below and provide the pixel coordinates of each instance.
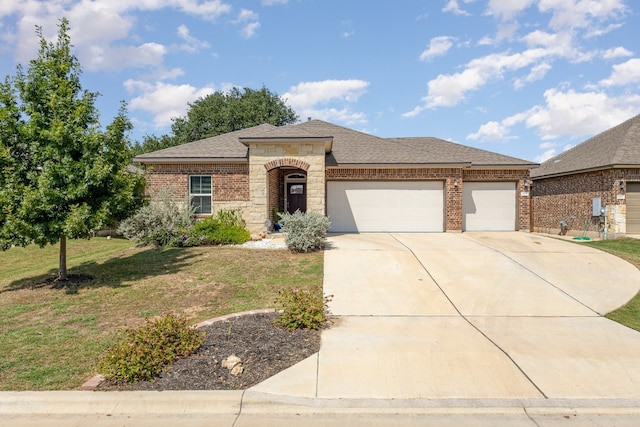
(363, 182)
(605, 168)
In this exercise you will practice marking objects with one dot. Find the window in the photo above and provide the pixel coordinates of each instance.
(296, 189)
(200, 194)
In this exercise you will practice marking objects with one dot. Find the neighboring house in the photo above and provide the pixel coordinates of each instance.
(605, 167)
(362, 182)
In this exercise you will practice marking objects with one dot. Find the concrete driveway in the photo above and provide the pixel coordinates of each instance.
(469, 316)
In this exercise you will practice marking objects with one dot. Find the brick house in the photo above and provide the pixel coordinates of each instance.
(606, 168)
(362, 182)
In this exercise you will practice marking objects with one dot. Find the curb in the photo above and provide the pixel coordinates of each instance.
(92, 383)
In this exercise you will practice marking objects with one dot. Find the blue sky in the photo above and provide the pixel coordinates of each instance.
(527, 78)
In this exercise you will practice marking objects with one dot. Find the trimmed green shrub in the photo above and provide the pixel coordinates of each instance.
(303, 309)
(227, 227)
(146, 351)
(162, 222)
(305, 231)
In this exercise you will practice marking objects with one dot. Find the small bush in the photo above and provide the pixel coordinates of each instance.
(146, 351)
(305, 231)
(227, 227)
(162, 222)
(303, 309)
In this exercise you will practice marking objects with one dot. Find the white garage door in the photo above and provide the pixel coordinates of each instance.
(379, 206)
(489, 206)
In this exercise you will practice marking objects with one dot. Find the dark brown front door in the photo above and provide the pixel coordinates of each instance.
(296, 197)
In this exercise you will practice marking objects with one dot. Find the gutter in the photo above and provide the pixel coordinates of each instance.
(593, 169)
(189, 160)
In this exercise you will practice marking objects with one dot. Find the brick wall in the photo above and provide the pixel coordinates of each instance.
(230, 181)
(570, 198)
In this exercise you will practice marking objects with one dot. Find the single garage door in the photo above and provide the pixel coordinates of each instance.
(633, 208)
(381, 206)
(489, 206)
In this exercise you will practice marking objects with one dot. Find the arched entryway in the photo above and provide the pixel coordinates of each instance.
(287, 186)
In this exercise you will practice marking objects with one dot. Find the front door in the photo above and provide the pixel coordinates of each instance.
(296, 197)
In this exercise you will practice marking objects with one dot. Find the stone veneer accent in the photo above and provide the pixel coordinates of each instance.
(570, 197)
(266, 157)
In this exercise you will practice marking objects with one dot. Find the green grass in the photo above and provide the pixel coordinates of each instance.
(627, 249)
(52, 339)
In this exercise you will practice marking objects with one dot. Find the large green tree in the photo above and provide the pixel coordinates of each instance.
(62, 175)
(223, 112)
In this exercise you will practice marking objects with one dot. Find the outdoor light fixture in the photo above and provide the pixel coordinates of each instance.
(455, 182)
(621, 185)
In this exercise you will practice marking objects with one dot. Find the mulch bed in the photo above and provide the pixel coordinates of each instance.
(264, 348)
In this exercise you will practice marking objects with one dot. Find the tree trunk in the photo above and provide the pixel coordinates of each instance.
(62, 269)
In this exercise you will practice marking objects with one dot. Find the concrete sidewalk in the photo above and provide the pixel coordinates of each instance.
(446, 329)
(237, 409)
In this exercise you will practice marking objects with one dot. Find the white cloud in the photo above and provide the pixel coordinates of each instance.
(491, 131)
(449, 90)
(578, 114)
(438, 46)
(545, 156)
(581, 13)
(272, 2)
(453, 7)
(507, 10)
(118, 58)
(249, 21)
(624, 74)
(537, 73)
(96, 26)
(163, 101)
(567, 114)
(192, 44)
(328, 99)
(617, 52)
(494, 131)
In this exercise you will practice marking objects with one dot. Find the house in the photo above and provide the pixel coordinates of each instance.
(600, 173)
(362, 182)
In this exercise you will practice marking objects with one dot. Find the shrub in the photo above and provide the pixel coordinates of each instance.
(303, 309)
(146, 351)
(305, 231)
(227, 227)
(162, 222)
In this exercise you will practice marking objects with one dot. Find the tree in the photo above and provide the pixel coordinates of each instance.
(222, 112)
(62, 176)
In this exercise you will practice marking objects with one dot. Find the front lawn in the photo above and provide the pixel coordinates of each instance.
(627, 249)
(52, 339)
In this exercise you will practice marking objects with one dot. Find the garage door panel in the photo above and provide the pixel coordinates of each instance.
(385, 206)
(633, 208)
(489, 206)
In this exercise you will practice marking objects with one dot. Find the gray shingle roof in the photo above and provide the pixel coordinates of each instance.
(618, 146)
(350, 147)
(226, 146)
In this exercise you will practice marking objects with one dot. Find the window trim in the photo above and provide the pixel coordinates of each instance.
(209, 194)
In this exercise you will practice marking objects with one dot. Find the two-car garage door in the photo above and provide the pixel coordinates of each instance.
(417, 206)
(394, 206)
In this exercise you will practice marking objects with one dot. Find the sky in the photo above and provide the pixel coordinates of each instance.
(525, 78)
